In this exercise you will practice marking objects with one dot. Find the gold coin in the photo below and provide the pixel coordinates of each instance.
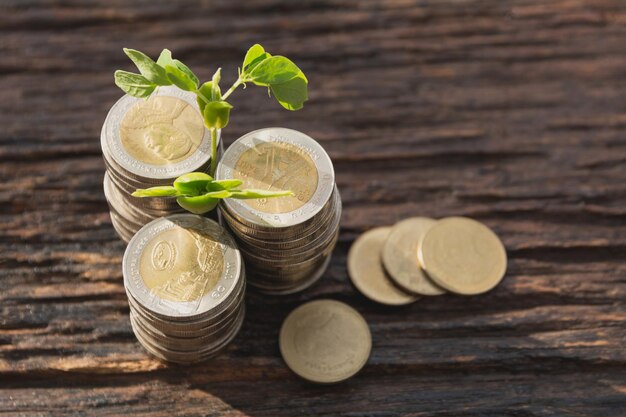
(367, 273)
(399, 256)
(325, 341)
(161, 130)
(181, 265)
(277, 166)
(463, 256)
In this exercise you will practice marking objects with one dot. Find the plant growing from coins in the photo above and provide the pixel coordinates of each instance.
(277, 73)
(199, 193)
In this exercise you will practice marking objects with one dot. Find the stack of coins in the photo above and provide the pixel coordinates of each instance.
(285, 241)
(185, 283)
(148, 143)
(421, 256)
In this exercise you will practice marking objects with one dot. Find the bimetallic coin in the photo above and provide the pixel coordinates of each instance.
(162, 137)
(181, 266)
(278, 159)
(399, 256)
(463, 256)
(367, 273)
(325, 341)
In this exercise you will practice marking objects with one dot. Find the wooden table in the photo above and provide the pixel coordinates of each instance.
(511, 112)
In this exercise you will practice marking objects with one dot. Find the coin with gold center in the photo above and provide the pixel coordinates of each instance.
(277, 166)
(325, 341)
(399, 256)
(367, 273)
(161, 130)
(463, 256)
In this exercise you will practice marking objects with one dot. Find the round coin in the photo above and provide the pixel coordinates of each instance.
(278, 159)
(399, 256)
(367, 273)
(159, 138)
(463, 256)
(181, 266)
(325, 341)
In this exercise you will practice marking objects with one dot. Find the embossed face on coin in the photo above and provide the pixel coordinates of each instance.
(463, 256)
(161, 130)
(325, 341)
(277, 166)
(399, 256)
(181, 265)
(367, 273)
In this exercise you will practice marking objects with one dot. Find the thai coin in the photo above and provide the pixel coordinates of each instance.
(367, 273)
(325, 341)
(181, 266)
(278, 159)
(463, 256)
(162, 137)
(399, 256)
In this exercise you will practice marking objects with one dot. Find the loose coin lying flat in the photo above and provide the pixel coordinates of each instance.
(367, 273)
(325, 341)
(462, 256)
(399, 256)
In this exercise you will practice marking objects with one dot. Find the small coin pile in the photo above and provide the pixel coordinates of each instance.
(185, 282)
(421, 256)
(147, 143)
(286, 241)
(325, 341)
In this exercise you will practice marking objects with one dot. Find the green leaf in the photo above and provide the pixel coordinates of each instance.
(148, 68)
(256, 193)
(134, 84)
(197, 205)
(163, 191)
(193, 183)
(293, 93)
(274, 70)
(216, 114)
(184, 68)
(210, 93)
(166, 59)
(180, 78)
(254, 56)
(223, 185)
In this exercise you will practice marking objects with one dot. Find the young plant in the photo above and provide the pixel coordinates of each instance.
(278, 74)
(199, 193)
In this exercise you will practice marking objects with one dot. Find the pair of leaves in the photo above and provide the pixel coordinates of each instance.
(165, 71)
(285, 80)
(199, 193)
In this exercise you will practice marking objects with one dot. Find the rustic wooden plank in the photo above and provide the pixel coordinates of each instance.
(511, 112)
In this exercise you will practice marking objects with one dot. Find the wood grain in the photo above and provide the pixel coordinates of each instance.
(511, 112)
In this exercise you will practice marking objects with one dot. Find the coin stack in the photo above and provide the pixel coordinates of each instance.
(148, 143)
(421, 256)
(286, 241)
(185, 282)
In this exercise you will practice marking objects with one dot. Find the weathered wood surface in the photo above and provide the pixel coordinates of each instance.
(512, 112)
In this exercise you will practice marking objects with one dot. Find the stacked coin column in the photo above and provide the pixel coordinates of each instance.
(147, 143)
(286, 242)
(185, 282)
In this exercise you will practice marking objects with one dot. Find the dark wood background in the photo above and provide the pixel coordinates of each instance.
(511, 112)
